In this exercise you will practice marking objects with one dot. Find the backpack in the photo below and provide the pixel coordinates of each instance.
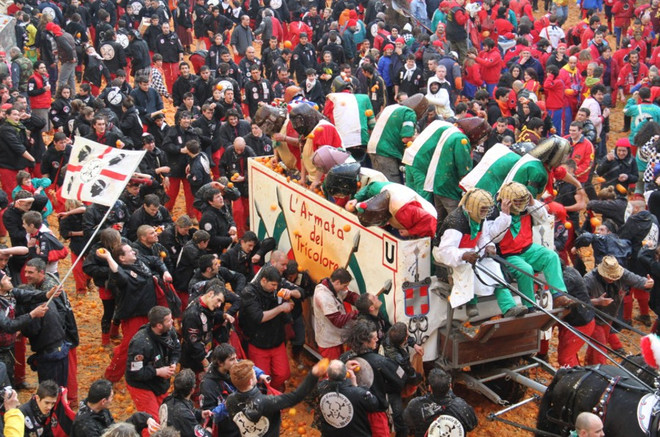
(27, 70)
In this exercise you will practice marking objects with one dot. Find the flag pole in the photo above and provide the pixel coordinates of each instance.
(89, 242)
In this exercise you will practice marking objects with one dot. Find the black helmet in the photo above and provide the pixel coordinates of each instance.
(304, 118)
(342, 179)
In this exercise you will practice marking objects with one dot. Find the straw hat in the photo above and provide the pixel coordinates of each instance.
(609, 268)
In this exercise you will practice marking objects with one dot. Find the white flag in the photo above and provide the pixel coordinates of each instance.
(98, 173)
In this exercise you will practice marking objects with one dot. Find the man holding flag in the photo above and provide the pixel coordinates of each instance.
(99, 174)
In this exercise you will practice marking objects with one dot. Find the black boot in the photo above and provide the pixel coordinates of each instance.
(626, 123)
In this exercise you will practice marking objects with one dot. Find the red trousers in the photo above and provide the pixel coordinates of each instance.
(8, 180)
(95, 90)
(173, 192)
(117, 365)
(331, 353)
(35, 171)
(274, 362)
(642, 297)
(72, 379)
(603, 335)
(570, 344)
(241, 210)
(80, 277)
(171, 72)
(146, 400)
(216, 159)
(184, 296)
(379, 423)
(19, 356)
(613, 340)
(3, 230)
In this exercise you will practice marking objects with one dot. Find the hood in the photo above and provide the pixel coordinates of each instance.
(417, 221)
(641, 217)
(432, 80)
(54, 29)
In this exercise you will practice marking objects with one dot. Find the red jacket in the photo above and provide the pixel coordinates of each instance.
(655, 57)
(572, 82)
(473, 74)
(655, 93)
(491, 65)
(295, 29)
(522, 7)
(583, 155)
(640, 46)
(554, 92)
(620, 54)
(586, 37)
(627, 79)
(623, 12)
(40, 98)
(503, 27)
(540, 55)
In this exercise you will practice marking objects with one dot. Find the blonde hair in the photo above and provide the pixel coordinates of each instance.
(72, 204)
(607, 193)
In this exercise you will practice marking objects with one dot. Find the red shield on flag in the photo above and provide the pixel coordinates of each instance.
(416, 297)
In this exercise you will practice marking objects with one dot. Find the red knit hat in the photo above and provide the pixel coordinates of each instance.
(623, 142)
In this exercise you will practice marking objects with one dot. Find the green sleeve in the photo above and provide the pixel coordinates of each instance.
(408, 123)
(370, 191)
(631, 107)
(462, 159)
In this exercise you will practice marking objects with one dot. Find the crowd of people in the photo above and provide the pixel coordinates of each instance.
(473, 124)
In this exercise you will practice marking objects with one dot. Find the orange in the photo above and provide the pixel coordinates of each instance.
(410, 143)
(163, 254)
(218, 87)
(347, 228)
(101, 251)
(302, 430)
(568, 225)
(292, 411)
(369, 113)
(119, 144)
(621, 189)
(273, 207)
(323, 365)
(287, 44)
(230, 185)
(595, 222)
